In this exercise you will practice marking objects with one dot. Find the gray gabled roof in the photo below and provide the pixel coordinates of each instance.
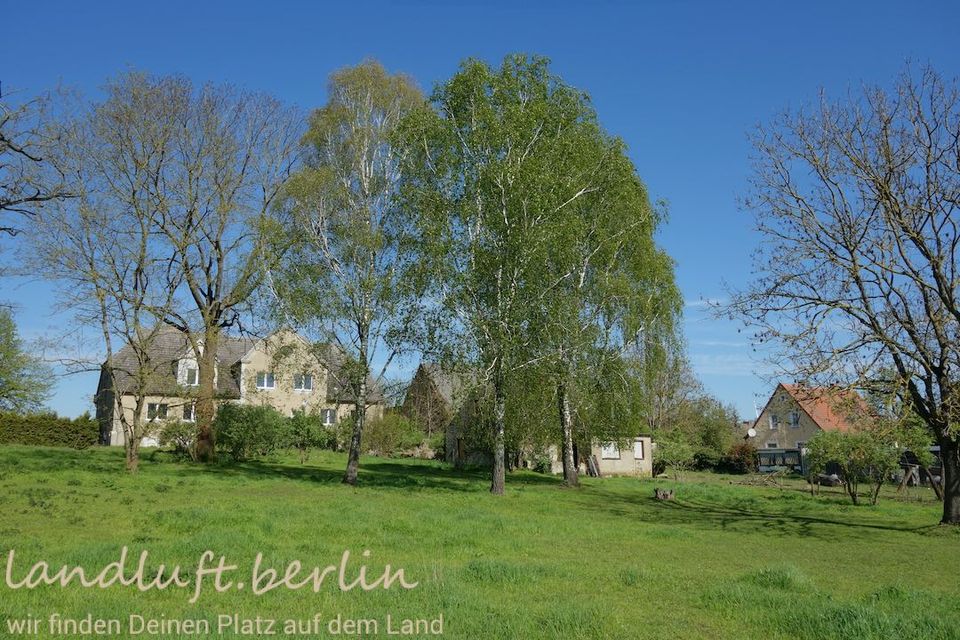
(169, 345)
(165, 348)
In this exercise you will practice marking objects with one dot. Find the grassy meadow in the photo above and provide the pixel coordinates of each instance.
(724, 560)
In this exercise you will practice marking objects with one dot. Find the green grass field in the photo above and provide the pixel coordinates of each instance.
(724, 560)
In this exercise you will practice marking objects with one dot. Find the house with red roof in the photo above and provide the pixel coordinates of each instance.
(795, 413)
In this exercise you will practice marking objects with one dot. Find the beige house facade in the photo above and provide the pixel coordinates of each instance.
(793, 415)
(633, 458)
(282, 370)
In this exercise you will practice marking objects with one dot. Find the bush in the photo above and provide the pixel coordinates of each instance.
(49, 430)
(392, 434)
(179, 436)
(306, 431)
(704, 459)
(674, 452)
(244, 431)
(742, 458)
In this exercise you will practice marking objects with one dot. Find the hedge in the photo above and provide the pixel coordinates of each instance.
(48, 430)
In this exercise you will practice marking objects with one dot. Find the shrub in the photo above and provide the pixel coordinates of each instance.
(49, 430)
(179, 436)
(674, 452)
(392, 434)
(742, 458)
(705, 458)
(305, 432)
(244, 431)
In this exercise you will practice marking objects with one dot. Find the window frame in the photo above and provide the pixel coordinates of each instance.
(328, 413)
(267, 376)
(192, 406)
(639, 443)
(300, 382)
(605, 448)
(160, 410)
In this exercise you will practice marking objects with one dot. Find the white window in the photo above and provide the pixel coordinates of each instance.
(156, 411)
(774, 421)
(772, 445)
(610, 451)
(638, 449)
(189, 413)
(795, 419)
(192, 377)
(266, 380)
(329, 417)
(303, 382)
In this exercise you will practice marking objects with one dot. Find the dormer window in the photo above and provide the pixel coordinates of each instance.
(266, 380)
(192, 377)
(303, 382)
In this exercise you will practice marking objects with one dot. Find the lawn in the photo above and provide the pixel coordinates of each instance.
(724, 560)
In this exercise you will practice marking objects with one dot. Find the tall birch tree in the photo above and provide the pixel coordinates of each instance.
(493, 172)
(345, 239)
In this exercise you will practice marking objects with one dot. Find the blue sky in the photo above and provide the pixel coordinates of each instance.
(681, 82)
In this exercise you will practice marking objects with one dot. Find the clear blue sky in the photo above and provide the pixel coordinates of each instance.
(681, 81)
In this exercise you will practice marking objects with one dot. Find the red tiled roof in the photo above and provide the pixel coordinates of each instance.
(828, 407)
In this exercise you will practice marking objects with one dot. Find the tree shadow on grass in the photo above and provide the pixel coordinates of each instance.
(382, 473)
(374, 472)
(742, 518)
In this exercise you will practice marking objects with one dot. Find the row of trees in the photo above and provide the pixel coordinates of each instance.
(493, 226)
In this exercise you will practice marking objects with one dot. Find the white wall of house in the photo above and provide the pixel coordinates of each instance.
(634, 459)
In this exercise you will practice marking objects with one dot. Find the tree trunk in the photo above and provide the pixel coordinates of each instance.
(498, 479)
(950, 479)
(359, 420)
(570, 478)
(876, 492)
(132, 451)
(206, 392)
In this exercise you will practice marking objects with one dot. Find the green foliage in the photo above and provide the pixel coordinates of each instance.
(868, 455)
(674, 452)
(179, 436)
(245, 430)
(48, 430)
(305, 432)
(25, 382)
(392, 434)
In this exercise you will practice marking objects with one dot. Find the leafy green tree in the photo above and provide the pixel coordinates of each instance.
(25, 381)
(516, 189)
(606, 288)
(305, 432)
(674, 452)
(346, 239)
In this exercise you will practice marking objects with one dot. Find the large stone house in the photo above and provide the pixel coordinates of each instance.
(794, 414)
(282, 370)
